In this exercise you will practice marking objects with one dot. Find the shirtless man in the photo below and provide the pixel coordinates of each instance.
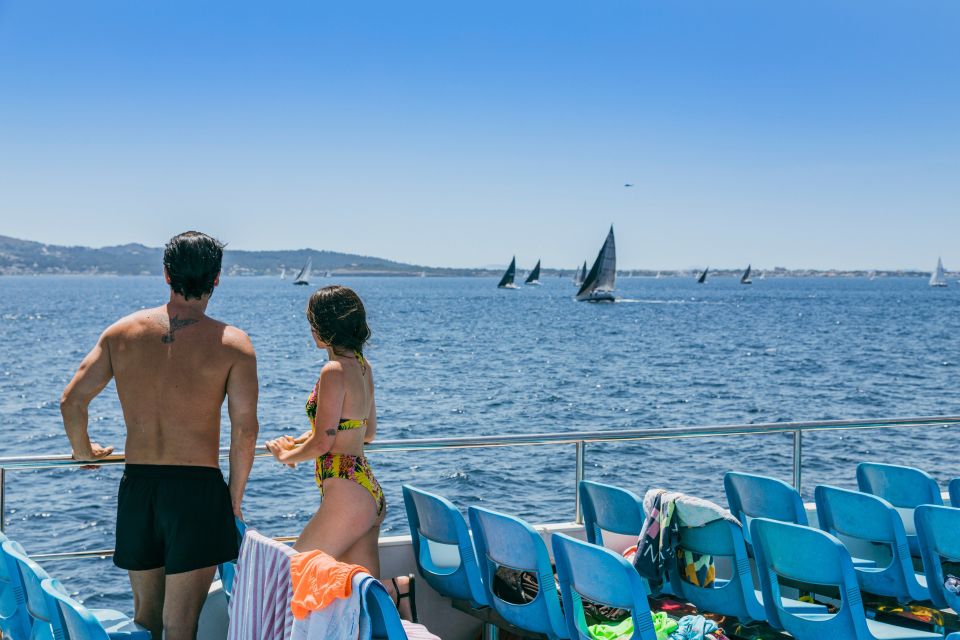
(173, 368)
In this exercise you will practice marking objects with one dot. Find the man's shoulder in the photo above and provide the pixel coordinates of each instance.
(236, 339)
(133, 322)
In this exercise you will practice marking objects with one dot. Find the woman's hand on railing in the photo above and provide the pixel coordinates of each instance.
(279, 446)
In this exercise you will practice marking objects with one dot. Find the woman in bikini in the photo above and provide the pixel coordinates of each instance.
(343, 417)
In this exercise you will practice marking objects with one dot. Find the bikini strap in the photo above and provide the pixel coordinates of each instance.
(362, 361)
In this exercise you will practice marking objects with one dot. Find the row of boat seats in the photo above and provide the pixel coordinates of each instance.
(32, 605)
(437, 527)
(462, 567)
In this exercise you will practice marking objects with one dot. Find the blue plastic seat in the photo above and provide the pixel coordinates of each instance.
(807, 555)
(609, 508)
(751, 496)
(873, 519)
(74, 621)
(503, 540)
(442, 547)
(384, 618)
(736, 596)
(14, 620)
(938, 530)
(603, 577)
(43, 610)
(228, 570)
(954, 489)
(905, 488)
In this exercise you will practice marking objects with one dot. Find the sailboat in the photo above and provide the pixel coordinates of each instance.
(745, 278)
(534, 277)
(506, 282)
(938, 279)
(283, 274)
(703, 276)
(598, 284)
(580, 275)
(304, 276)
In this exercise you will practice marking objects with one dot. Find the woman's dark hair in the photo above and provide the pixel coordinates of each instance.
(193, 260)
(337, 316)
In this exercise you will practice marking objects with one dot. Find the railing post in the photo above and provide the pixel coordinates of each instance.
(3, 497)
(581, 445)
(797, 458)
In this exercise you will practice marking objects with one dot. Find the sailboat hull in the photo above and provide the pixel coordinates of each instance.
(535, 283)
(508, 286)
(597, 296)
(301, 283)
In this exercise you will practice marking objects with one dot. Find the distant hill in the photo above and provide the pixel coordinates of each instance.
(27, 257)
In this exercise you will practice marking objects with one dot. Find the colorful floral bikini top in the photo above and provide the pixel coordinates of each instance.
(344, 424)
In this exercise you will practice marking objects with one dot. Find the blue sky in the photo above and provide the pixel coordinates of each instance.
(802, 134)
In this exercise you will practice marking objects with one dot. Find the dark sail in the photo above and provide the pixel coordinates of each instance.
(507, 279)
(534, 275)
(602, 274)
(745, 278)
(304, 276)
(703, 276)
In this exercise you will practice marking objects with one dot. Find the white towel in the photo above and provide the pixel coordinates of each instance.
(339, 620)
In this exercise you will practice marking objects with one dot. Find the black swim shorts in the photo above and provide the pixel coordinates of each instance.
(176, 517)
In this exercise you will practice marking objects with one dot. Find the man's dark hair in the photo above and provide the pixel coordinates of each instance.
(192, 260)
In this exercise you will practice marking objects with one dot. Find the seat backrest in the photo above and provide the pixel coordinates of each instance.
(815, 557)
(735, 597)
(503, 540)
(954, 489)
(228, 570)
(384, 618)
(938, 529)
(72, 621)
(31, 575)
(903, 487)
(586, 570)
(14, 620)
(751, 496)
(435, 521)
(609, 508)
(868, 517)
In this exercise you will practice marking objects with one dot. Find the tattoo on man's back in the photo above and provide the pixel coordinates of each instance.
(175, 325)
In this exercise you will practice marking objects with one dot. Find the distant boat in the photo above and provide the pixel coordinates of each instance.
(506, 282)
(703, 276)
(304, 276)
(580, 275)
(659, 275)
(328, 274)
(938, 279)
(423, 274)
(872, 275)
(598, 284)
(534, 277)
(283, 274)
(745, 278)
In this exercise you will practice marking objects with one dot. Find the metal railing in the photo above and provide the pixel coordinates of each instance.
(580, 439)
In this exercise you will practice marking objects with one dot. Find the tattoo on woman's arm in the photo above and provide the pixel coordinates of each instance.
(331, 432)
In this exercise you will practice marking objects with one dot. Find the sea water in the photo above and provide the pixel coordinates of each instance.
(458, 357)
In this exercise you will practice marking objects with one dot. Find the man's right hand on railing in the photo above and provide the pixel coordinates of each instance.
(94, 453)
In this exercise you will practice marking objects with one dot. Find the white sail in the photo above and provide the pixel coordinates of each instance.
(304, 276)
(603, 274)
(939, 278)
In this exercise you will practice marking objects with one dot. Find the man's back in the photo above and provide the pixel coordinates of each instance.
(172, 368)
